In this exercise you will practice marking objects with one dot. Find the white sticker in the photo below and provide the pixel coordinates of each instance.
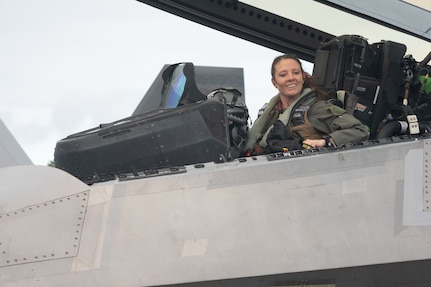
(194, 247)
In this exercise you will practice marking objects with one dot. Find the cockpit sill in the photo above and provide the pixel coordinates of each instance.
(150, 173)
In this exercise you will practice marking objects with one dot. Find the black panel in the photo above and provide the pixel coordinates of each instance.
(249, 23)
(403, 274)
(192, 133)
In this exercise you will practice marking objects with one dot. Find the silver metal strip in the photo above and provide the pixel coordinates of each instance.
(426, 176)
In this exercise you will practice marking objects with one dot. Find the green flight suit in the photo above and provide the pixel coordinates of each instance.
(324, 117)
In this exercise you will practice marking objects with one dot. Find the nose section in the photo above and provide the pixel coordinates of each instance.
(290, 76)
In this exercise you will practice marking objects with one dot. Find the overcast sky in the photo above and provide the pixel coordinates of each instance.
(67, 66)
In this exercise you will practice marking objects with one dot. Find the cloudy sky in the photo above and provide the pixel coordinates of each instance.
(67, 66)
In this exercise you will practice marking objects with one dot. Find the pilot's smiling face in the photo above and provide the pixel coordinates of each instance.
(288, 78)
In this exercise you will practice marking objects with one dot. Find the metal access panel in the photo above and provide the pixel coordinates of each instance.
(54, 227)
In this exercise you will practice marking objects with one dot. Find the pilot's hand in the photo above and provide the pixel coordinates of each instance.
(315, 143)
